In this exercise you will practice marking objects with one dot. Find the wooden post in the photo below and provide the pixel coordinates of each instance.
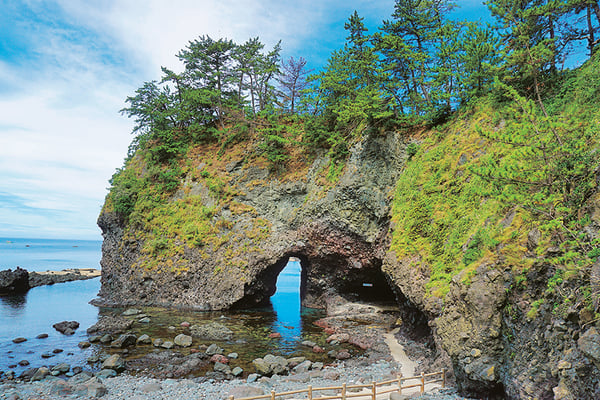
(310, 392)
(400, 383)
(443, 377)
(344, 391)
(422, 382)
(374, 395)
(272, 395)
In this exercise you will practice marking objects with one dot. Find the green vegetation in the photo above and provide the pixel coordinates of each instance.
(502, 140)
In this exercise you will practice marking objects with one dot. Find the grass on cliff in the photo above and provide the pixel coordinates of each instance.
(475, 188)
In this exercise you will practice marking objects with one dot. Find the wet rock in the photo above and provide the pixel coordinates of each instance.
(218, 358)
(47, 355)
(213, 349)
(211, 331)
(130, 312)
(123, 341)
(183, 340)
(66, 327)
(294, 361)
(19, 340)
(83, 345)
(113, 324)
(106, 339)
(94, 338)
(144, 339)
(275, 335)
(61, 368)
(23, 363)
(57, 351)
(262, 367)
(40, 374)
(245, 391)
(12, 282)
(77, 370)
(42, 336)
(114, 362)
(339, 338)
(223, 368)
(80, 378)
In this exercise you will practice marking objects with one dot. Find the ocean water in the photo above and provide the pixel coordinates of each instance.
(49, 254)
(34, 312)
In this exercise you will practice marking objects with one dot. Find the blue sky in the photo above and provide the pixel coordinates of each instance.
(66, 67)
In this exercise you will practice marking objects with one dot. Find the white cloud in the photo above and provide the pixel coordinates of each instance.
(61, 136)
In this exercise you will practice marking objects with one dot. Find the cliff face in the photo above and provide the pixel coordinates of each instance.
(335, 229)
(243, 221)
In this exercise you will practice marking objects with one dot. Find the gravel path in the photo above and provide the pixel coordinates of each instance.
(138, 388)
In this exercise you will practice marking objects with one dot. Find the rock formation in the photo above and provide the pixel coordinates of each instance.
(340, 230)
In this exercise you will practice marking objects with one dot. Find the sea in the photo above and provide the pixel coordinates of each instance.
(33, 313)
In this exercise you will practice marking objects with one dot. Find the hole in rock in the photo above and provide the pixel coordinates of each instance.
(286, 301)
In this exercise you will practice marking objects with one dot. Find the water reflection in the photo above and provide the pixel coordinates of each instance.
(13, 304)
(287, 306)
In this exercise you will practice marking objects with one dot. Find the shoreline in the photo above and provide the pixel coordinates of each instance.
(41, 278)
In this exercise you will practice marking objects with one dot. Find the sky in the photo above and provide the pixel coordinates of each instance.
(67, 66)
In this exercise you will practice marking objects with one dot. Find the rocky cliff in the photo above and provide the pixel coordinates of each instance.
(511, 323)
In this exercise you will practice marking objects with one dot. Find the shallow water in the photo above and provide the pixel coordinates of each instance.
(35, 312)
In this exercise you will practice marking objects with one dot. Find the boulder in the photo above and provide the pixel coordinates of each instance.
(219, 358)
(83, 345)
(19, 340)
(211, 331)
(110, 324)
(589, 344)
(66, 327)
(237, 371)
(123, 341)
(40, 374)
(144, 339)
(106, 373)
(114, 362)
(183, 340)
(12, 282)
(92, 388)
(220, 367)
(167, 344)
(61, 368)
(213, 349)
(303, 367)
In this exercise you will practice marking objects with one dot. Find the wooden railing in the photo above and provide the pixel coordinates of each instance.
(350, 391)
